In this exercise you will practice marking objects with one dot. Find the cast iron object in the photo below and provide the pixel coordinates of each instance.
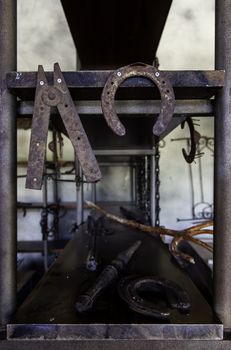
(195, 137)
(131, 288)
(45, 98)
(134, 70)
(106, 278)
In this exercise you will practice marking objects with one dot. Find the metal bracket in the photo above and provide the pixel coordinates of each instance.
(133, 70)
(57, 95)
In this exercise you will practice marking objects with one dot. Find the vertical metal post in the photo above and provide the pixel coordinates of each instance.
(79, 193)
(44, 220)
(152, 191)
(8, 179)
(134, 181)
(93, 192)
(136, 184)
(131, 168)
(55, 187)
(222, 195)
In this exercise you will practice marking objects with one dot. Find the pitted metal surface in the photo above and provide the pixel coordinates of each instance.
(131, 288)
(134, 70)
(45, 98)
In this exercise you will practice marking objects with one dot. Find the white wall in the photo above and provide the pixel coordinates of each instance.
(187, 43)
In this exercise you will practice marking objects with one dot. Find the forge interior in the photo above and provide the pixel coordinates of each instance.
(115, 174)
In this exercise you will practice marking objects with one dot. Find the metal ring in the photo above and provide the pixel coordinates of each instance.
(133, 70)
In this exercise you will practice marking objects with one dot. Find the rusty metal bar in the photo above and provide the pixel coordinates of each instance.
(222, 255)
(97, 79)
(8, 219)
(131, 107)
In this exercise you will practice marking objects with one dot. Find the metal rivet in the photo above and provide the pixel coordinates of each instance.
(35, 179)
(37, 144)
(157, 74)
(119, 74)
(41, 82)
(59, 80)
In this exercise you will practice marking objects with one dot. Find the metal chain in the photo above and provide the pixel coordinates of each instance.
(140, 182)
(157, 184)
(148, 193)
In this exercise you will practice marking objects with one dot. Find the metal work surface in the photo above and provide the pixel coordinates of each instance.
(49, 312)
(89, 84)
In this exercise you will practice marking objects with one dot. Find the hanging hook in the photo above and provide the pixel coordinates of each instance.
(195, 137)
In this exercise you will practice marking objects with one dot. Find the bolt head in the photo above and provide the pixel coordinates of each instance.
(59, 80)
(157, 74)
(119, 74)
(35, 179)
(41, 82)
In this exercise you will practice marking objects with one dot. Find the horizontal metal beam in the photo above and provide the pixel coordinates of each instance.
(132, 107)
(115, 331)
(87, 85)
(124, 152)
(97, 79)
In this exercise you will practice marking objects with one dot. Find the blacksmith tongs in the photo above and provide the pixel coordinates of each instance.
(46, 97)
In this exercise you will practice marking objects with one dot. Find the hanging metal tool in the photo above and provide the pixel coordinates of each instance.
(195, 138)
(137, 70)
(131, 289)
(46, 97)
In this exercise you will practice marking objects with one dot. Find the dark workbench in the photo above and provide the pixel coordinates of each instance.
(49, 311)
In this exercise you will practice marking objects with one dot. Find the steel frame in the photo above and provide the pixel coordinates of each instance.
(222, 258)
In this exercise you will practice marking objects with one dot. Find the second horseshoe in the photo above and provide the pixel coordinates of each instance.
(133, 70)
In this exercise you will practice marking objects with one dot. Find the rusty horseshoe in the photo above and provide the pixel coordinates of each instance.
(140, 70)
(131, 289)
